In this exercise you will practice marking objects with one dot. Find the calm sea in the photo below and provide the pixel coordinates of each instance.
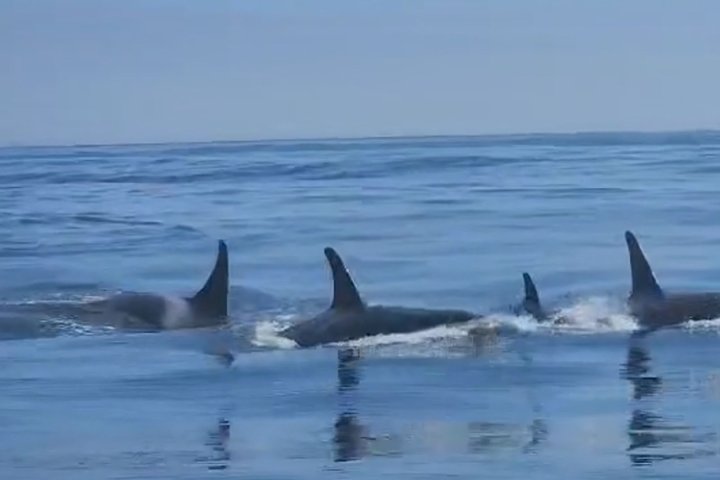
(434, 222)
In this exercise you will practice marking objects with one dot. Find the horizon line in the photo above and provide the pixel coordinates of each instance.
(364, 138)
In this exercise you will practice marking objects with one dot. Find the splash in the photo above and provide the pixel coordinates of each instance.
(445, 332)
(506, 324)
(267, 333)
(593, 315)
(702, 325)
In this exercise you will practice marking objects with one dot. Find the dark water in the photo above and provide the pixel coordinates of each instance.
(421, 222)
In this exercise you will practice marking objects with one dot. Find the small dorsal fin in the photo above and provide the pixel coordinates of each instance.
(345, 295)
(643, 280)
(212, 298)
(531, 302)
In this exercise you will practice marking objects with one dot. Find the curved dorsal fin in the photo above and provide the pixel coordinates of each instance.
(211, 299)
(345, 295)
(643, 280)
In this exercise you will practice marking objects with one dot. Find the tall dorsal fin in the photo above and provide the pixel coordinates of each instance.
(345, 295)
(643, 280)
(212, 298)
(531, 294)
(531, 302)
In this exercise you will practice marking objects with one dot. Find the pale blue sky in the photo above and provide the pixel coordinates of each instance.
(106, 71)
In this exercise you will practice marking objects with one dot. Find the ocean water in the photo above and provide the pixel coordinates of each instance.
(429, 222)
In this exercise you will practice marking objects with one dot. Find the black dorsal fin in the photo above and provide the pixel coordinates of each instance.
(212, 299)
(531, 294)
(531, 302)
(643, 280)
(345, 295)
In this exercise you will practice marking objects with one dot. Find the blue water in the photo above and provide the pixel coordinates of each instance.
(436, 222)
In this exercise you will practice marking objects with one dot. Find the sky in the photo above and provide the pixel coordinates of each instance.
(108, 71)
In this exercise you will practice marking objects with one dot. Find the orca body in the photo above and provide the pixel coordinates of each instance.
(349, 318)
(208, 307)
(655, 308)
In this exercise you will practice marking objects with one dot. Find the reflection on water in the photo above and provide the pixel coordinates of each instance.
(350, 437)
(485, 437)
(347, 370)
(651, 432)
(651, 437)
(353, 441)
(218, 439)
(637, 371)
(538, 434)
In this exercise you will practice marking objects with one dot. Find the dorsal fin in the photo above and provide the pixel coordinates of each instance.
(643, 280)
(345, 295)
(531, 294)
(212, 298)
(531, 302)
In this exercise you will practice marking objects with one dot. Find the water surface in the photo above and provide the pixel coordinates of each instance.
(429, 222)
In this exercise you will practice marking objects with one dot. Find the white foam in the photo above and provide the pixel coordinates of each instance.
(594, 315)
(423, 336)
(703, 325)
(267, 334)
(505, 323)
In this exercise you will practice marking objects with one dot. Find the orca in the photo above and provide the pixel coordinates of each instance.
(652, 306)
(531, 305)
(208, 307)
(349, 317)
(483, 332)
